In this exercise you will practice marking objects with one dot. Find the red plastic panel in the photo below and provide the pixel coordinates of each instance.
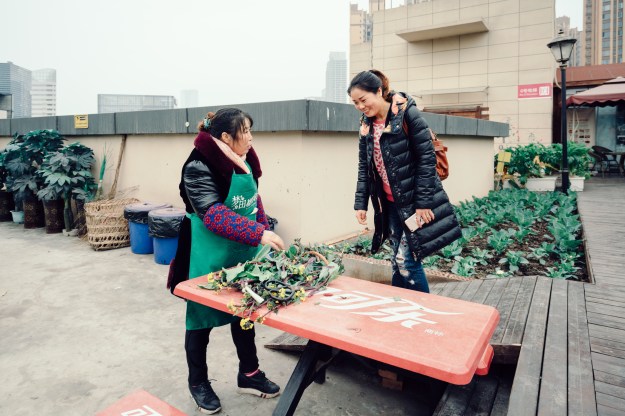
(433, 335)
(140, 403)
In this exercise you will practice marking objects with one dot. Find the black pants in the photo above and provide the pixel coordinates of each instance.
(196, 343)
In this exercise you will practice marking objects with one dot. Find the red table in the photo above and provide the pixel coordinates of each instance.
(439, 337)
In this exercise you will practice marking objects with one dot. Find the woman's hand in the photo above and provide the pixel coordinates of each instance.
(424, 215)
(273, 239)
(361, 216)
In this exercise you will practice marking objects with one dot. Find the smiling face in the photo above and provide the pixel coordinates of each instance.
(369, 103)
(243, 140)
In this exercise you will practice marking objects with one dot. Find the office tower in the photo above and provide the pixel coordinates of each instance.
(336, 78)
(43, 93)
(119, 103)
(15, 85)
(603, 32)
(189, 98)
(564, 23)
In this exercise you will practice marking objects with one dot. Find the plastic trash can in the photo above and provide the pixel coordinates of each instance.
(137, 216)
(163, 227)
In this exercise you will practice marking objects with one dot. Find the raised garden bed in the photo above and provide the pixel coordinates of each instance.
(511, 232)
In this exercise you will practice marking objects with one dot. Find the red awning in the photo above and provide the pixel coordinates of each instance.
(610, 93)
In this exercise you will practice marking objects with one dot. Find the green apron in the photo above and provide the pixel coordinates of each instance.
(210, 252)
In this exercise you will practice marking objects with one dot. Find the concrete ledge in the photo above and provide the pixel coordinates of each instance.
(296, 115)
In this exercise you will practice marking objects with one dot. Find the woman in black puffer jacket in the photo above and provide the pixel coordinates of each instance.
(397, 170)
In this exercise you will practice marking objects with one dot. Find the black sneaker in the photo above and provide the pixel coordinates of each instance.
(258, 385)
(205, 398)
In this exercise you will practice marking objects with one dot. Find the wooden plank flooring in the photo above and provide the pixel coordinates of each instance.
(602, 207)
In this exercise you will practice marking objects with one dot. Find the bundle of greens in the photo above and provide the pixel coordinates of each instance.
(276, 279)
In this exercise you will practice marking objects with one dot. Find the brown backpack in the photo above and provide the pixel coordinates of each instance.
(440, 150)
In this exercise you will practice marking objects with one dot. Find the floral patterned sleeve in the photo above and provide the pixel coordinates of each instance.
(224, 222)
(261, 217)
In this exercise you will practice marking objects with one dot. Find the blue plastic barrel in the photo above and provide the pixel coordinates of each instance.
(164, 225)
(137, 216)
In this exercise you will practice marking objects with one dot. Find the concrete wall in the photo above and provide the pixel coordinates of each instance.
(309, 174)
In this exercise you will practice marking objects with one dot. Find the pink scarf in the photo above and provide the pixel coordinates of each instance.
(236, 159)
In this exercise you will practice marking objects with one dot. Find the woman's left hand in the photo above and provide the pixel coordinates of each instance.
(426, 215)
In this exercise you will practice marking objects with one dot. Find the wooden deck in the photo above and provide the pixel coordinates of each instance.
(603, 214)
(567, 338)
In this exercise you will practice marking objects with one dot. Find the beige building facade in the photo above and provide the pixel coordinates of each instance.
(487, 56)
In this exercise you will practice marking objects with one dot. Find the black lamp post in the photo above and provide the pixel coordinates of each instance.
(561, 47)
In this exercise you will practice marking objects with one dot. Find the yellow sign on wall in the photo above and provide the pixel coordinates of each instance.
(81, 121)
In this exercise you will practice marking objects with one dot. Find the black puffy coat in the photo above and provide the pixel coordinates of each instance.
(410, 163)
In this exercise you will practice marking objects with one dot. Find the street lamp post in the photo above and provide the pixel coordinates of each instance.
(561, 47)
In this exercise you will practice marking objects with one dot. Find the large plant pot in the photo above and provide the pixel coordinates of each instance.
(6, 205)
(18, 217)
(546, 184)
(577, 183)
(53, 214)
(80, 222)
(33, 214)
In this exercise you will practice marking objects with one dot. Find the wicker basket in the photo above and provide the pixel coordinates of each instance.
(106, 226)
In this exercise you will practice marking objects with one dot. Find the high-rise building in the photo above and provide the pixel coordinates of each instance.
(43, 93)
(15, 82)
(189, 98)
(603, 32)
(336, 78)
(564, 23)
(488, 61)
(119, 103)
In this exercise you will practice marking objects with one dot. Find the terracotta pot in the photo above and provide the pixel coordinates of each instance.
(33, 214)
(6, 205)
(53, 214)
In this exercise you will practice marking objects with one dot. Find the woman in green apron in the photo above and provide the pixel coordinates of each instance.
(225, 225)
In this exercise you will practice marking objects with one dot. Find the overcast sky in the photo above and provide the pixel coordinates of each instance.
(231, 51)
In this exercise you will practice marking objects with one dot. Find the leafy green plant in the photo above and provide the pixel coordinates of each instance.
(514, 259)
(24, 155)
(542, 253)
(452, 250)
(276, 279)
(577, 157)
(565, 270)
(481, 255)
(528, 161)
(464, 266)
(499, 240)
(431, 262)
(67, 175)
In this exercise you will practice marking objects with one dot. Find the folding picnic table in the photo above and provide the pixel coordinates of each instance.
(440, 337)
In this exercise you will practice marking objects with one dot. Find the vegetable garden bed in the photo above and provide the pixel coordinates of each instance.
(511, 232)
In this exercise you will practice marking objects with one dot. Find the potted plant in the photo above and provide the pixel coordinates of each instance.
(27, 153)
(578, 161)
(66, 175)
(6, 198)
(530, 163)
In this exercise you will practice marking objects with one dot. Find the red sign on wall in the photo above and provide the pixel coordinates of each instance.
(534, 91)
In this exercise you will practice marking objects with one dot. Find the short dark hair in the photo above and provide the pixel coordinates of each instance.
(371, 81)
(228, 120)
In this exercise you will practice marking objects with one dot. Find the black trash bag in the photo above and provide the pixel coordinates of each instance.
(272, 222)
(165, 222)
(138, 213)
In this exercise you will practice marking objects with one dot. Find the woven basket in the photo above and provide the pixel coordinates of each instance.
(106, 226)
